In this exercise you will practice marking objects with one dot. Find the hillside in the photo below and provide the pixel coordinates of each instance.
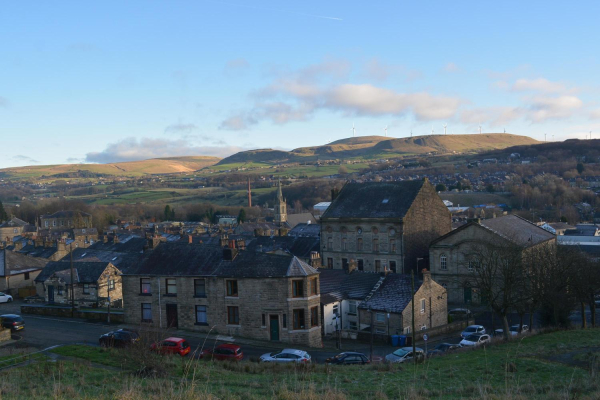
(372, 147)
(132, 168)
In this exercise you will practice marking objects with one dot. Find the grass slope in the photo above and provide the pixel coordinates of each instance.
(557, 365)
(371, 147)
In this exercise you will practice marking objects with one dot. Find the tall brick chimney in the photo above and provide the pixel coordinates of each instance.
(249, 194)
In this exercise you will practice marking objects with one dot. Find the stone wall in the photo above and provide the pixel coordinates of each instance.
(271, 298)
(58, 311)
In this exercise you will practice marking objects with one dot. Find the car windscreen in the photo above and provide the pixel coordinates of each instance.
(471, 329)
(473, 338)
(339, 356)
(400, 353)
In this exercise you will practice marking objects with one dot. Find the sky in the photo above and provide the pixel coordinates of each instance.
(112, 81)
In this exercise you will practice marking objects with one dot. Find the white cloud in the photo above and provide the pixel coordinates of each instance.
(451, 67)
(545, 108)
(21, 158)
(180, 128)
(3, 102)
(132, 149)
(539, 85)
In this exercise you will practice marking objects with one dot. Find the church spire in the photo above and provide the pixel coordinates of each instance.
(280, 207)
(279, 194)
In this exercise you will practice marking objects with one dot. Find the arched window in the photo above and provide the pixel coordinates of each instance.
(359, 244)
(329, 243)
(375, 244)
(374, 230)
(443, 262)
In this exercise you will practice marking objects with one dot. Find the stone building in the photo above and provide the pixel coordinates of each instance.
(14, 227)
(92, 282)
(384, 226)
(237, 293)
(66, 219)
(450, 255)
(18, 271)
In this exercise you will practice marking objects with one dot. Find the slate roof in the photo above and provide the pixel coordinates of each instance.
(306, 230)
(12, 263)
(374, 200)
(87, 272)
(85, 231)
(38, 251)
(337, 284)
(13, 222)
(249, 227)
(518, 230)
(302, 218)
(123, 261)
(182, 259)
(126, 244)
(393, 295)
(296, 246)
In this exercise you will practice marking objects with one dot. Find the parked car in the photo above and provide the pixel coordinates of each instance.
(224, 352)
(514, 330)
(443, 348)
(286, 356)
(405, 354)
(472, 329)
(119, 338)
(476, 339)
(12, 321)
(460, 313)
(348, 358)
(172, 345)
(5, 298)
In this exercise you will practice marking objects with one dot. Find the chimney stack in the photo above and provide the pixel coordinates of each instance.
(18, 245)
(315, 259)
(426, 276)
(190, 239)
(116, 238)
(241, 244)
(352, 266)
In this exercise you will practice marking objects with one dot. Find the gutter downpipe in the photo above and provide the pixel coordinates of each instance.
(159, 306)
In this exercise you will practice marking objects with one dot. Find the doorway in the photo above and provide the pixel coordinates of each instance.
(468, 295)
(172, 315)
(50, 294)
(274, 327)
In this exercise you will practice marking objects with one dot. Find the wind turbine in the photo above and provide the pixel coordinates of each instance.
(432, 130)
(445, 128)
(353, 130)
(480, 129)
(590, 135)
(411, 133)
(385, 129)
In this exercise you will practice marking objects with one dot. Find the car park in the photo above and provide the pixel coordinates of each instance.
(475, 340)
(119, 338)
(286, 356)
(348, 358)
(172, 345)
(471, 329)
(514, 330)
(405, 354)
(5, 298)
(223, 352)
(12, 321)
(443, 348)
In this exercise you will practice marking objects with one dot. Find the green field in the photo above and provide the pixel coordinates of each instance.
(562, 364)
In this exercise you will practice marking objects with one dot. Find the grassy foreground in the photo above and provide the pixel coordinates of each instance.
(556, 365)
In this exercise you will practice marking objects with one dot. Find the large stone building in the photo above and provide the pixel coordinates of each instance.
(238, 293)
(66, 219)
(383, 226)
(452, 256)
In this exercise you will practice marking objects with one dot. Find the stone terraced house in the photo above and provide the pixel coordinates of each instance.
(226, 291)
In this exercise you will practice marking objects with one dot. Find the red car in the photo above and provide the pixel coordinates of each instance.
(228, 352)
(172, 345)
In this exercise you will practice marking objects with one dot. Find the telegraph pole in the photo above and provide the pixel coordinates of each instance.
(412, 280)
(72, 282)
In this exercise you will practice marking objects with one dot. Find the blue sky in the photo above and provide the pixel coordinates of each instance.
(114, 81)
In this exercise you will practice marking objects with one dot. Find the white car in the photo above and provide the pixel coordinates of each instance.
(405, 354)
(286, 356)
(476, 339)
(514, 330)
(5, 298)
(471, 330)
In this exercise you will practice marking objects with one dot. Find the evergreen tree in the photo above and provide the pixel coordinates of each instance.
(241, 216)
(3, 214)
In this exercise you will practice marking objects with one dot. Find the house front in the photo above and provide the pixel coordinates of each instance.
(18, 271)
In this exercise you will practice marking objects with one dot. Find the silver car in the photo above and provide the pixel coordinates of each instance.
(286, 356)
(471, 330)
(405, 354)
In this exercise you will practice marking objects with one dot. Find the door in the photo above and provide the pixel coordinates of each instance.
(172, 315)
(51, 294)
(468, 295)
(274, 325)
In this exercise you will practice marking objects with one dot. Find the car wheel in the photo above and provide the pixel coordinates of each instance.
(9, 300)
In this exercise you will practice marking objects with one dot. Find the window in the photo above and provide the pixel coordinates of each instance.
(361, 265)
(232, 288)
(330, 243)
(201, 315)
(284, 320)
(393, 266)
(297, 288)
(314, 316)
(314, 287)
(407, 330)
(352, 308)
(471, 266)
(345, 264)
(171, 285)
(299, 319)
(46, 224)
(111, 284)
(264, 320)
(233, 315)
(359, 244)
(54, 222)
(344, 245)
(380, 317)
(199, 288)
(375, 244)
(145, 287)
(443, 262)
(26, 276)
(422, 306)
(374, 230)
(146, 312)
(352, 325)
(377, 265)
(86, 288)
(392, 245)
(60, 290)
(329, 262)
